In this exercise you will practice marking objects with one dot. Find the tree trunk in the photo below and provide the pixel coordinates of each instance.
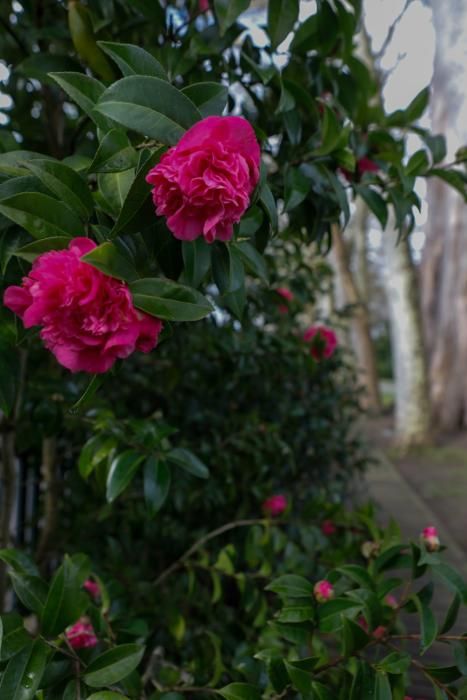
(444, 264)
(364, 348)
(412, 410)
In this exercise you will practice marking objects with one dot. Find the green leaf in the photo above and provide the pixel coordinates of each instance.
(455, 178)
(30, 251)
(417, 164)
(107, 695)
(278, 674)
(333, 135)
(209, 98)
(269, 205)
(282, 15)
(428, 625)
(24, 672)
(451, 615)
(452, 578)
(108, 259)
(157, 478)
(115, 153)
(291, 586)
(121, 472)
(14, 637)
(374, 202)
(133, 60)
(227, 12)
(189, 462)
(354, 637)
(168, 300)
(301, 680)
(138, 193)
(197, 260)
(85, 91)
(297, 187)
(358, 574)
(66, 184)
(31, 590)
(296, 613)
(42, 216)
(460, 656)
(113, 665)
(20, 562)
(252, 259)
(13, 163)
(39, 65)
(150, 106)
(227, 268)
(65, 601)
(403, 117)
(114, 188)
(235, 301)
(382, 687)
(240, 691)
(396, 662)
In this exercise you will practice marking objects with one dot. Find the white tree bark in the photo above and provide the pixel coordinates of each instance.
(412, 409)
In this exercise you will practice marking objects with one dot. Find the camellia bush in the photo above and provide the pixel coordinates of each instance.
(159, 168)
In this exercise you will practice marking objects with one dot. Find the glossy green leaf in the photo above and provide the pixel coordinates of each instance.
(31, 590)
(65, 601)
(121, 473)
(66, 184)
(209, 98)
(451, 615)
(227, 268)
(396, 662)
(168, 300)
(157, 478)
(374, 202)
(428, 625)
(252, 259)
(227, 11)
(114, 188)
(282, 15)
(452, 579)
(133, 60)
(85, 91)
(115, 153)
(19, 561)
(240, 691)
(382, 687)
(30, 251)
(300, 679)
(113, 665)
(455, 178)
(109, 259)
(353, 637)
(269, 205)
(197, 260)
(189, 462)
(291, 586)
(107, 695)
(24, 672)
(42, 216)
(14, 636)
(417, 164)
(297, 187)
(403, 117)
(150, 106)
(39, 65)
(358, 574)
(296, 613)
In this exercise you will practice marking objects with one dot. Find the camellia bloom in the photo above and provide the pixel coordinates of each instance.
(275, 505)
(285, 293)
(328, 528)
(88, 319)
(323, 341)
(323, 590)
(430, 538)
(92, 588)
(81, 635)
(204, 183)
(366, 165)
(203, 5)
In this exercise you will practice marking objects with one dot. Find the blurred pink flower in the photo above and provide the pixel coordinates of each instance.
(88, 319)
(391, 601)
(204, 183)
(285, 293)
(323, 341)
(430, 538)
(92, 588)
(275, 505)
(203, 5)
(323, 591)
(81, 635)
(328, 528)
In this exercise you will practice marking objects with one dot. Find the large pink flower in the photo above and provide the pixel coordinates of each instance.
(204, 183)
(323, 341)
(81, 635)
(275, 505)
(88, 319)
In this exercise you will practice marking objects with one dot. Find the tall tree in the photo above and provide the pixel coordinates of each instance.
(444, 264)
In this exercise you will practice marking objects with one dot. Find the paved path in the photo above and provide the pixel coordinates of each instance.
(403, 499)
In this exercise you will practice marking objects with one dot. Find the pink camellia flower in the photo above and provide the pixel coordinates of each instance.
(88, 319)
(430, 538)
(328, 528)
(92, 588)
(285, 293)
(366, 165)
(323, 341)
(275, 505)
(81, 635)
(203, 5)
(323, 591)
(203, 184)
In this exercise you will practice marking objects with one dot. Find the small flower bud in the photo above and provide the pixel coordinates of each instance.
(323, 591)
(430, 538)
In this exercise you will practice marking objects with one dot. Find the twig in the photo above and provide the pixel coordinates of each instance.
(379, 54)
(206, 538)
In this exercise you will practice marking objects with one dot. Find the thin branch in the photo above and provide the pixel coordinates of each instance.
(206, 538)
(389, 37)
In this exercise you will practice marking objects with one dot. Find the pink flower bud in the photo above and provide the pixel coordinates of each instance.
(328, 528)
(275, 505)
(323, 341)
(285, 293)
(391, 601)
(203, 5)
(92, 588)
(430, 538)
(81, 635)
(379, 632)
(323, 591)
